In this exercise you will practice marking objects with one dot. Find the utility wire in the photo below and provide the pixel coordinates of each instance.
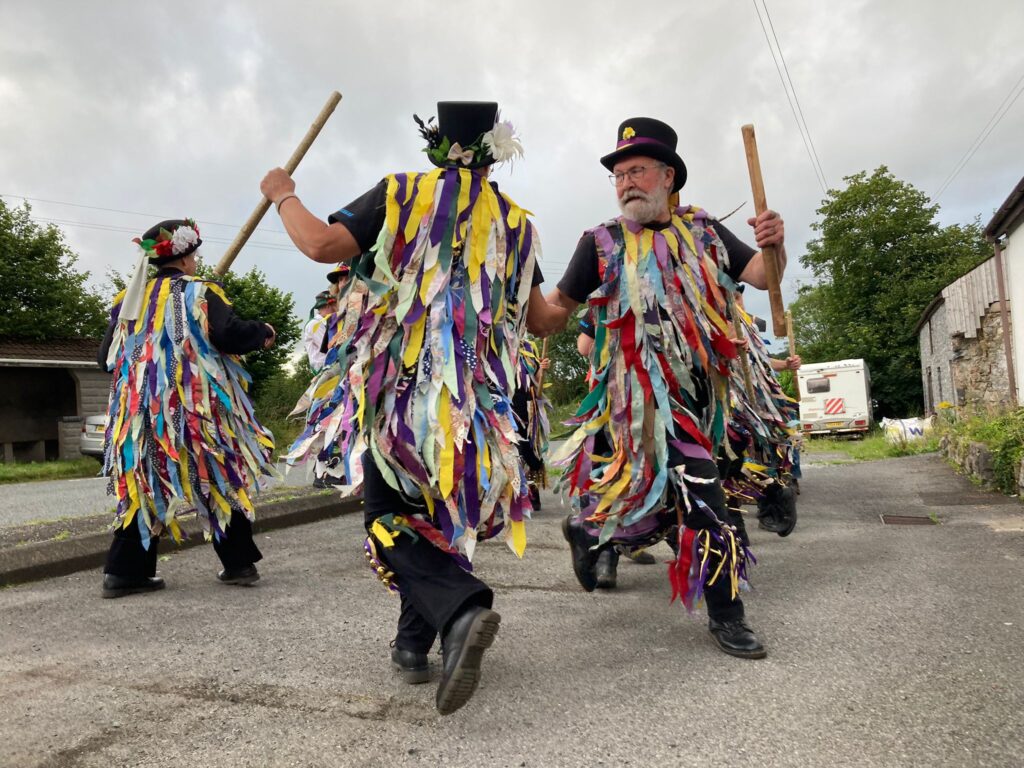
(795, 97)
(132, 213)
(981, 137)
(116, 228)
(800, 126)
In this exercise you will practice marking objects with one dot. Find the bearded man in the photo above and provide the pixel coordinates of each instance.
(653, 279)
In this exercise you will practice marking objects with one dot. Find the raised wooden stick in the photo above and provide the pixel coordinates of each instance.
(771, 261)
(264, 205)
(788, 332)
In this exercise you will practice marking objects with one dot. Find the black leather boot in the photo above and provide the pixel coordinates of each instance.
(118, 586)
(584, 559)
(736, 638)
(606, 569)
(413, 666)
(462, 649)
(242, 577)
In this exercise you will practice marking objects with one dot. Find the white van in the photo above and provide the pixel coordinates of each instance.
(835, 398)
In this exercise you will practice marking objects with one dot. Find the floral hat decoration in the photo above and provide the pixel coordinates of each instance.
(469, 134)
(163, 243)
(170, 240)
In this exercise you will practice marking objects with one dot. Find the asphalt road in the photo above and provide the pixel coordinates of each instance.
(888, 646)
(25, 503)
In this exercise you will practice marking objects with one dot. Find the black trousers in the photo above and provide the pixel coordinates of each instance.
(521, 408)
(718, 598)
(128, 559)
(433, 588)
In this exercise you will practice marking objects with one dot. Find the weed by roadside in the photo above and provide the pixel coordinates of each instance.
(872, 447)
(49, 470)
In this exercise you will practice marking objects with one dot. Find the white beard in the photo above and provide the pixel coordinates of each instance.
(644, 208)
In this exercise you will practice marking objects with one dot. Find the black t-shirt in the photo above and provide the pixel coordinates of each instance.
(582, 278)
(364, 218)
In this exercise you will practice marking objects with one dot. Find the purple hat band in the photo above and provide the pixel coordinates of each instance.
(640, 140)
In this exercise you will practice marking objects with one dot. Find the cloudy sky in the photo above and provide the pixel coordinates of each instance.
(145, 110)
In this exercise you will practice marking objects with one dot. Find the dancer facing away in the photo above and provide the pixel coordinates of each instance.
(424, 398)
(181, 432)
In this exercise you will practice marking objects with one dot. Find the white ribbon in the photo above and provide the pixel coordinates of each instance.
(458, 154)
(131, 305)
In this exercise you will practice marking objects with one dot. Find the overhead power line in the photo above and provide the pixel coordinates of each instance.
(134, 231)
(131, 213)
(794, 102)
(990, 126)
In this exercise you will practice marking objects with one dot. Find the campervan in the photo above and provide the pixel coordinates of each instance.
(835, 398)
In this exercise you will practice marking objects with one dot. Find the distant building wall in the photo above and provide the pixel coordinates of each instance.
(979, 365)
(936, 347)
(1013, 259)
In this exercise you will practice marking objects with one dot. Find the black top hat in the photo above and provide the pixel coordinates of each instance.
(158, 241)
(340, 271)
(648, 137)
(462, 123)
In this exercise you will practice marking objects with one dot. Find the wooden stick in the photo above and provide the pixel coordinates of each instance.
(788, 332)
(737, 328)
(540, 393)
(264, 205)
(540, 374)
(771, 261)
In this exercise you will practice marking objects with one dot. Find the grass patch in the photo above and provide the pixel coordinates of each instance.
(870, 448)
(49, 470)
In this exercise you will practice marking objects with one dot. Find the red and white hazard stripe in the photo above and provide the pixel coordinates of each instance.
(834, 405)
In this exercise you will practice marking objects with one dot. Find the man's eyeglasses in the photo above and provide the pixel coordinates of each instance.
(635, 173)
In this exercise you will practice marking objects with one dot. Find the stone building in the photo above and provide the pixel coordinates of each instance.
(960, 337)
(971, 341)
(46, 390)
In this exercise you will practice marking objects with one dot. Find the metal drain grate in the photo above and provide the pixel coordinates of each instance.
(906, 520)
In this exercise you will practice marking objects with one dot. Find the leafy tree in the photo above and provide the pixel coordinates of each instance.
(881, 258)
(568, 371)
(43, 294)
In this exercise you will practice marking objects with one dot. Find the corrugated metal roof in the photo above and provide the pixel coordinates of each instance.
(968, 299)
(72, 350)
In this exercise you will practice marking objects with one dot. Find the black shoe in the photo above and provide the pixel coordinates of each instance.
(412, 665)
(606, 570)
(462, 649)
(116, 586)
(776, 511)
(241, 577)
(584, 559)
(737, 639)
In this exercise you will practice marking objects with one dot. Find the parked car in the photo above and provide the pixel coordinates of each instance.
(90, 442)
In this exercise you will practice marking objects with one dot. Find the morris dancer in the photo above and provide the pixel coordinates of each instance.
(660, 367)
(423, 397)
(181, 433)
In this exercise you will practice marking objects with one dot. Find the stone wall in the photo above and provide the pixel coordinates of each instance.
(979, 365)
(936, 361)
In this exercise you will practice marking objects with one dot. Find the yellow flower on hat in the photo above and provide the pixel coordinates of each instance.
(628, 133)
